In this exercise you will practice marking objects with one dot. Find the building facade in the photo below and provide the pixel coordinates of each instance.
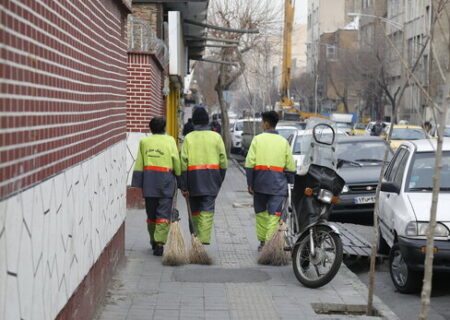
(409, 39)
(338, 82)
(325, 16)
(63, 169)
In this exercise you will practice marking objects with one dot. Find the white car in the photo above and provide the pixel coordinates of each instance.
(236, 135)
(297, 141)
(404, 211)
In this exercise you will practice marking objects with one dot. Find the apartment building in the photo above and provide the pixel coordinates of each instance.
(325, 16)
(413, 17)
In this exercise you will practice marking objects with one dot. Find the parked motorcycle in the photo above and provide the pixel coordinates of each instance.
(315, 243)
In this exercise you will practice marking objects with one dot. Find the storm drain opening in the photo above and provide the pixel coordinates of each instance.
(221, 275)
(343, 309)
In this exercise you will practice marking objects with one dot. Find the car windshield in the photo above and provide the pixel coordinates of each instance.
(422, 170)
(362, 151)
(360, 126)
(286, 132)
(301, 140)
(447, 132)
(343, 125)
(407, 134)
(239, 126)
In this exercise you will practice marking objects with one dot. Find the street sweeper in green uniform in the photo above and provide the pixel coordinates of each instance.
(269, 167)
(203, 167)
(155, 172)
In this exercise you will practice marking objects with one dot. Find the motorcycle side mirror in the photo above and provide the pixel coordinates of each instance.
(324, 134)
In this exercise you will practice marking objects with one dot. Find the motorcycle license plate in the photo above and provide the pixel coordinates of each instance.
(364, 200)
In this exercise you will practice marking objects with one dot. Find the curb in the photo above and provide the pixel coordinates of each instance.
(362, 289)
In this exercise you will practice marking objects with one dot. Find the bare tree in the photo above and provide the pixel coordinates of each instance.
(244, 15)
(439, 33)
(437, 9)
(302, 86)
(203, 74)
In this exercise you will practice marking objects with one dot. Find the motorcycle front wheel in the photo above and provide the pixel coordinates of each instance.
(316, 271)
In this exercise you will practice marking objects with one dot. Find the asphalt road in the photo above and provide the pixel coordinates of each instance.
(404, 306)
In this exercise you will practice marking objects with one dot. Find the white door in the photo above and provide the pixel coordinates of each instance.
(391, 204)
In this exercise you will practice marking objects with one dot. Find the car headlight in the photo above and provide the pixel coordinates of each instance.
(414, 228)
(325, 196)
(345, 189)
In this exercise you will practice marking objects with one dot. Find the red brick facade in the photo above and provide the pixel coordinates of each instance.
(64, 86)
(144, 91)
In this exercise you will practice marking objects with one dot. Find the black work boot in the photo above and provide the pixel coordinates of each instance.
(153, 244)
(158, 251)
(261, 245)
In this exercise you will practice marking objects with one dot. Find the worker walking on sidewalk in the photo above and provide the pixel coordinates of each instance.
(157, 166)
(270, 167)
(203, 167)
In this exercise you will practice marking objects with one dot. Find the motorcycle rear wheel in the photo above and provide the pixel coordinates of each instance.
(328, 247)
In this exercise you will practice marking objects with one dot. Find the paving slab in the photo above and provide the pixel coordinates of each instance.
(234, 287)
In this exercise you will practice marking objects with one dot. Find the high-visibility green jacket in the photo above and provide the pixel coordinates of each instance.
(203, 162)
(269, 164)
(157, 164)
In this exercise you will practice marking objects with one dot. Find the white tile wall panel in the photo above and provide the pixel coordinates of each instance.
(133, 139)
(13, 230)
(3, 269)
(51, 234)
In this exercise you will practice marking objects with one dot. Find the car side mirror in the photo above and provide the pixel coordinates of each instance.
(390, 187)
(340, 163)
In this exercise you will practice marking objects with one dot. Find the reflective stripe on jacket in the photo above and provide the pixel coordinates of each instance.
(157, 164)
(203, 162)
(269, 164)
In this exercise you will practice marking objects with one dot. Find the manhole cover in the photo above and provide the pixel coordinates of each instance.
(221, 275)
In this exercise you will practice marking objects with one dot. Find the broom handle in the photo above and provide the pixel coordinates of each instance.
(174, 201)
(191, 222)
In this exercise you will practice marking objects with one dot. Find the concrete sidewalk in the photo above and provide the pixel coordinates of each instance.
(235, 287)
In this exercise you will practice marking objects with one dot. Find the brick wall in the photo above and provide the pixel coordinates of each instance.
(144, 91)
(62, 153)
(63, 88)
(151, 13)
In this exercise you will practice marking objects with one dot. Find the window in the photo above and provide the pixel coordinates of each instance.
(420, 178)
(401, 169)
(392, 169)
(331, 52)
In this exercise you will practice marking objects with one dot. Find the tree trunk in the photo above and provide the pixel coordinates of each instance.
(225, 120)
(428, 273)
(376, 229)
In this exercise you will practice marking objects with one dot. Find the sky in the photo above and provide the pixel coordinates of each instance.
(301, 7)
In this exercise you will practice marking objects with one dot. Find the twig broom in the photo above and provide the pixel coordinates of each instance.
(273, 252)
(197, 254)
(175, 253)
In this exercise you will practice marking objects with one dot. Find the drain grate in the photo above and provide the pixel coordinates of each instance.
(221, 275)
(342, 309)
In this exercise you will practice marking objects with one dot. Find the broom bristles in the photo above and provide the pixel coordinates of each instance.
(198, 254)
(175, 253)
(273, 252)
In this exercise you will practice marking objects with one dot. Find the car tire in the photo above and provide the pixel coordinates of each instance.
(405, 280)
